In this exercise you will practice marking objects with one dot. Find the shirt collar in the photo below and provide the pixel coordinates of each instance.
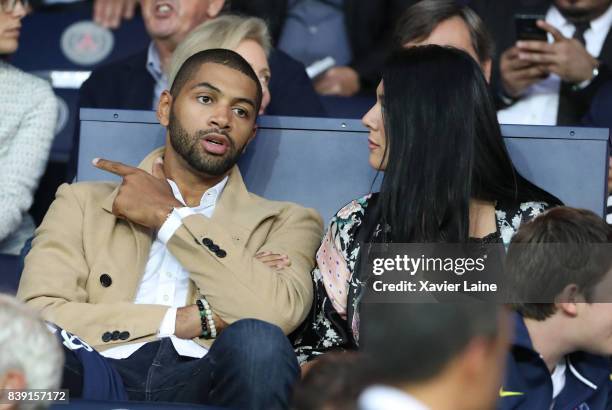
(154, 63)
(602, 22)
(209, 198)
(384, 397)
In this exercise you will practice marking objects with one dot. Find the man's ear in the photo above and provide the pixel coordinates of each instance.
(164, 107)
(214, 8)
(486, 69)
(568, 300)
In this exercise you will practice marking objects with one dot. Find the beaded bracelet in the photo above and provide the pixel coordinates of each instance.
(206, 315)
(203, 321)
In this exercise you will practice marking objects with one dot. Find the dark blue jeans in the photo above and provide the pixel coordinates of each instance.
(250, 366)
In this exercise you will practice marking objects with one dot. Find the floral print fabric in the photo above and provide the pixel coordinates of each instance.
(333, 322)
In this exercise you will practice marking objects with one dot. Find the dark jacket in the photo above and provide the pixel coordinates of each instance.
(369, 24)
(499, 18)
(126, 84)
(528, 383)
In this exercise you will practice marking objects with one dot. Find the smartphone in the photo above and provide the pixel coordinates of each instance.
(527, 29)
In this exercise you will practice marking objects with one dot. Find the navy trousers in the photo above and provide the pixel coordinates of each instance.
(251, 365)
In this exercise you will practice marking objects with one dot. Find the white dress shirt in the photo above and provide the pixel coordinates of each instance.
(540, 103)
(165, 282)
(388, 398)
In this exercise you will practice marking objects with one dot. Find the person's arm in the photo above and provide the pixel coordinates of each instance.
(292, 91)
(325, 329)
(26, 157)
(235, 282)
(56, 274)
(238, 285)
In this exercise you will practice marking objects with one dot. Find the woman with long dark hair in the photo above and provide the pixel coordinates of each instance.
(447, 178)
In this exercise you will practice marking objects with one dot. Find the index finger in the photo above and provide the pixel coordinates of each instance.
(552, 30)
(113, 167)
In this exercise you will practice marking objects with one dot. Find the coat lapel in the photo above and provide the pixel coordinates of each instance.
(240, 209)
(141, 237)
(237, 210)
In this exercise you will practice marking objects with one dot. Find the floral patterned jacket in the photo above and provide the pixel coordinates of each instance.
(333, 322)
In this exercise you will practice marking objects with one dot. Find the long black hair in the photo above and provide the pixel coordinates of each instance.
(444, 147)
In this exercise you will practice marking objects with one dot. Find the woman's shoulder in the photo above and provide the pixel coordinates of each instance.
(18, 81)
(354, 210)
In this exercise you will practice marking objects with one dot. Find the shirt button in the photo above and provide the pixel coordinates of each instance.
(166, 297)
(169, 274)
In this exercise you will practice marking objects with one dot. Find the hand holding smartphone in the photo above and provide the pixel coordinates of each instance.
(527, 27)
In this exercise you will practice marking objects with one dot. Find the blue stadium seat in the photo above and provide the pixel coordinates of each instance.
(322, 163)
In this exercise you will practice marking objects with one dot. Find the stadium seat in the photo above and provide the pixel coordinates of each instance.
(322, 163)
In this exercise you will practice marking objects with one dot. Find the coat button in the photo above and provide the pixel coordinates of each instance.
(116, 334)
(221, 253)
(207, 242)
(106, 337)
(124, 335)
(105, 280)
(214, 248)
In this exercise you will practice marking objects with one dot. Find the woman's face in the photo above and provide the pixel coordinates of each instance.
(255, 55)
(377, 140)
(10, 25)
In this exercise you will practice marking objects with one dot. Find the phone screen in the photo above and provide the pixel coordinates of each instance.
(527, 29)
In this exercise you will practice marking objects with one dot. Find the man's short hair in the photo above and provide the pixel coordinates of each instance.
(421, 19)
(27, 345)
(413, 342)
(575, 252)
(224, 57)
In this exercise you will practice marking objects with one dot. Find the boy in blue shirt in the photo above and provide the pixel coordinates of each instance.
(559, 268)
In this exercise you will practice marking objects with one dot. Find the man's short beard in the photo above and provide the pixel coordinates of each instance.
(190, 149)
(580, 15)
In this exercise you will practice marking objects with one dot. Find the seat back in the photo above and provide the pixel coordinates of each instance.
(323, 163)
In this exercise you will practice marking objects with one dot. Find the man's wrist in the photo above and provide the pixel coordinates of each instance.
(187, 322)
(589, 77)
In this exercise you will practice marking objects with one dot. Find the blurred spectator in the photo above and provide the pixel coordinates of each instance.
(136, 82)
(28, 110)
(30, 356)
(559, 268)
(332, 383)
(548, 83)
(447, 23)
(355, 33)
(248, 36)
(107, 13)
(436, 356)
